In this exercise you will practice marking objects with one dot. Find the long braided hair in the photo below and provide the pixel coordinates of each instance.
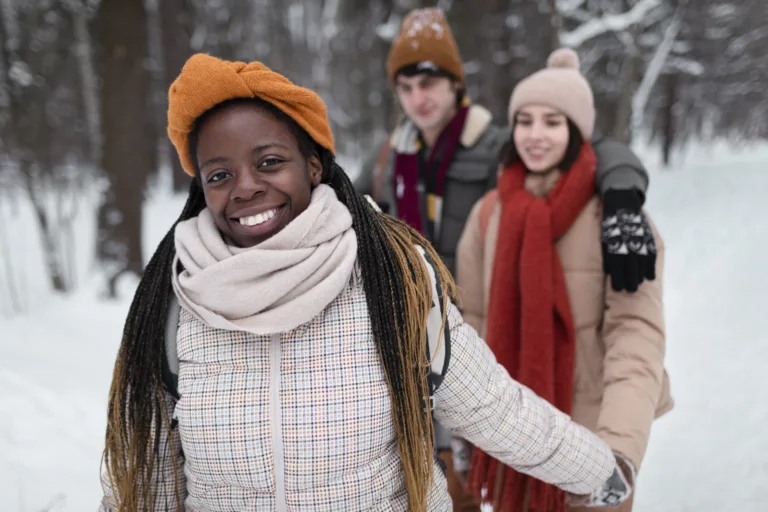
(398, 294)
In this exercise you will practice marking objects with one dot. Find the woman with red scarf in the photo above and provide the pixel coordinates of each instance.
(531, 280)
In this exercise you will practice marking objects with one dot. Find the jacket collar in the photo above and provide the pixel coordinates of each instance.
(405, 137)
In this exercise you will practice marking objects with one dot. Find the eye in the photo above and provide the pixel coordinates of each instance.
(217, 176)
(524, 122)
(270, 162)
(553, 123)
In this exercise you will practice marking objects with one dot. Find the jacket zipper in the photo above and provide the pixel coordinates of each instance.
(277, 422)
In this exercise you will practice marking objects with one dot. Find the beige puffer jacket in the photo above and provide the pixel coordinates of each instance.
(620, 383)
(302, 420)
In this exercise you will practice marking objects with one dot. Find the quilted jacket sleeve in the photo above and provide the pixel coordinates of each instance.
(469, 271)
(481, 403)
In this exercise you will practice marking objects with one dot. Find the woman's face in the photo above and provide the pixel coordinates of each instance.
(541, 137)
(254, 177)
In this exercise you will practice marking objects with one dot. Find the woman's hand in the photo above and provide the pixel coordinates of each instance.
(614, 491)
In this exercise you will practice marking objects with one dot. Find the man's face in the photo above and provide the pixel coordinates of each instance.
(429, 101)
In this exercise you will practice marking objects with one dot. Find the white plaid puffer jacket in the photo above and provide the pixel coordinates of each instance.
(301, 421)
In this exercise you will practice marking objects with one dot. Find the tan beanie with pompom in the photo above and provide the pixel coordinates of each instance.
(560, 86)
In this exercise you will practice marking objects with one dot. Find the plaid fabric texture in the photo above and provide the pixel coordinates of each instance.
(479, 401)
(339, 443)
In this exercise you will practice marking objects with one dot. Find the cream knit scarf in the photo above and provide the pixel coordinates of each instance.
(274, 286)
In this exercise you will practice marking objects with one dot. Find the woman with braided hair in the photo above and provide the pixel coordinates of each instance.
(301, 333)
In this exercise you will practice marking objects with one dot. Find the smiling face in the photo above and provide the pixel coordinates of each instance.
(541, 137)
(429, 101)
(254, 176)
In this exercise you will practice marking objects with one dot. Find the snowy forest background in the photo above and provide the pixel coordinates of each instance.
(89, 186)
(83, 88)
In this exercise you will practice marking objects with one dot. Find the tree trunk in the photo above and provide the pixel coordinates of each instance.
(12, 289)
(622, 124)
(51, 251)
(176, 26)
(127, 155)
(668, 119)
(556, 24)
(88, 84)
(48, 232)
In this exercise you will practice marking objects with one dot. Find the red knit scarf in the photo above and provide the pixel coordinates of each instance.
(530, 327)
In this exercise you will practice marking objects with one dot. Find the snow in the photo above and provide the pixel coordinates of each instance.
(711, 452)
(426, 23)
(389, 30)
(608, 23)
(566, 6)
(690, 67)
(708, 454)
(21, 74)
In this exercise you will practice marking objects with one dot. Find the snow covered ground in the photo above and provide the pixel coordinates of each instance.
(709, 454)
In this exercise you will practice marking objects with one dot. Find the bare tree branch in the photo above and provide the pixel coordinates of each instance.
(655, 67)
(609, 23)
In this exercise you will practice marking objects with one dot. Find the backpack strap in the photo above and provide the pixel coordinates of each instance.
(171, 359)
(486, 209)
(438, 333)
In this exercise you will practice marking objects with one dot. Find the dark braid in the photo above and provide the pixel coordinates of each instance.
(137, 405)
(398, 296)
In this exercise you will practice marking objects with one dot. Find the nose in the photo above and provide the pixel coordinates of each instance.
(537, 130)
(248, 184)
(417, 97)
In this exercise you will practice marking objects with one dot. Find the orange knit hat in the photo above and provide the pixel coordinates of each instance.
(206, 81)
(425, 37)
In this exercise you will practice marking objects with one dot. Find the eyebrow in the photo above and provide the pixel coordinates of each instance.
(548, 114)
(214, 160)
(224, 159)
(269, 145)
(416, 80)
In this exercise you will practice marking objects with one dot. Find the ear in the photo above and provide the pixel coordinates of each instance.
(315, 169)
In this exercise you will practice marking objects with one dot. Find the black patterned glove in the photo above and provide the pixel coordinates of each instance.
(629, 249)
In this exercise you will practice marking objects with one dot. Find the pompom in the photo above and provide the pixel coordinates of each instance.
(564, 58)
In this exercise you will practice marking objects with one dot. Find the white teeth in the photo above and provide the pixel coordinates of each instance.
(260, 218)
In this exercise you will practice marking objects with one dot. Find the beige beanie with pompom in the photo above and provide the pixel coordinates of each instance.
(560, 86)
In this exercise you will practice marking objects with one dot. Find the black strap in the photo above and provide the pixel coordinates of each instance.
(434, 380)
(171, 377)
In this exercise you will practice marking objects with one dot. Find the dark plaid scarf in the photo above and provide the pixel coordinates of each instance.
(419, 179)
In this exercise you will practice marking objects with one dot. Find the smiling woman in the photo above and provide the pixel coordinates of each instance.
(530, 271)
(299, 314)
